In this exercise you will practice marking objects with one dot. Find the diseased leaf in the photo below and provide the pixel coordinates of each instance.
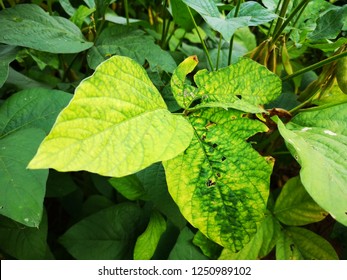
(297, 243)
(243, 86)
(147, 242)
(261, 244)
(109, 234)
(295, 207)
(116, 124)
(41, 31)
(220, 183)
(317, 138)
(208, 247)
(130, 42)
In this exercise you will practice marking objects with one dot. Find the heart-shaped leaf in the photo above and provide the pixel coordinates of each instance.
(317, 138)
(41, 31)
(116, 124)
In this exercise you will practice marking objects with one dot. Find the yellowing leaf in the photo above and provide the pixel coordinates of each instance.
(116, 124)
(220, 183)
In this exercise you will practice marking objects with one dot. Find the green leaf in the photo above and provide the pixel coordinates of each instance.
(116, 124)
(21, 242)
(106, 235)
(317, 138)
(21, 190)
(181, 14)
(129, 186)
(7, 55)
(154, 182)
(257, 13)
(81, 14)
(184, 249)
(41, 31)
(35, 107)
(261, 244)
(130, 42)
(147, 242)
(242, 86)
(251, 14)
(330, 24)
(24, 119)
(220, 183)
(298, 243)
(295, 207)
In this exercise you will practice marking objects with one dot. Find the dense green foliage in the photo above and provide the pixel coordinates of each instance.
(181, 129)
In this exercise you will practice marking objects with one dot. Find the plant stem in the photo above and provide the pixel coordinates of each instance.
(126, 7)
(218, 53)
(272, 22)
(281, 16)
(201, 40)
(315, 66)
(237, 9)
(280, 29)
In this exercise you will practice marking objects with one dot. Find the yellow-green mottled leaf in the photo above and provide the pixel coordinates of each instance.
(147, 242)
(116, 124)
(260, 245)
(220, 183)
(244, 86)
(182, 91)
(245, 81)
(317, 138)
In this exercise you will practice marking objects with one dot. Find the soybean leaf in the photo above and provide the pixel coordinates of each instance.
(129, 186)
(131, 42)
(297, 243)
(41, 31)
(208, 247)
(25, 118)
(147, 242)
(7, 55)
(317, 138)
(21, 242)
(116, 124)
(220, 183)
(257, 13)
(295, 207)
(330, 24)
(242, 86)
(184, 249)
(106, 235)
(251, 14)
(261, 244)
(181, 14)
(154, 183)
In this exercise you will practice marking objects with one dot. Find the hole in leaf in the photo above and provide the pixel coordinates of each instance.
(224, 158)
(203, 137)
(239, 96)
(218, 175)
(210, 183)
(214, 145)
